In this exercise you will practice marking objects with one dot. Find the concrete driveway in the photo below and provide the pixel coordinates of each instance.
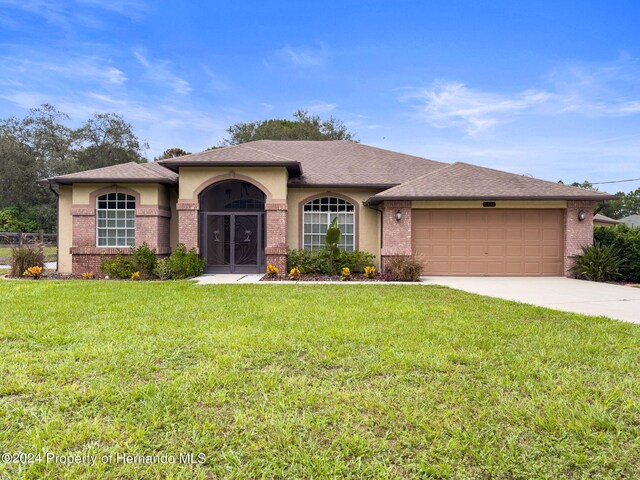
(578, 296)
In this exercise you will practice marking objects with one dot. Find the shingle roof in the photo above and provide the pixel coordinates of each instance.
(322, 163)
(461, 181)
(124, 172)
(604, 219)
(631, 220)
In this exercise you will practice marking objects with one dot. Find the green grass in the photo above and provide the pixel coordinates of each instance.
(49, 252)
(313, 381)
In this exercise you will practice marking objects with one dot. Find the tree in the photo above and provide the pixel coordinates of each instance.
(172, 153)
(626, 204)
(40, 145)
(106, 139)
(303, 127)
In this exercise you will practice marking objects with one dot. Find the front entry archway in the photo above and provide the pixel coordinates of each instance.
(232, 227)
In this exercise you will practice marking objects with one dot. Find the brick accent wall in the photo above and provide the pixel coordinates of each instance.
(188, 224)
(577, 234)
(396, 235)
(276, 241)
(152, 226)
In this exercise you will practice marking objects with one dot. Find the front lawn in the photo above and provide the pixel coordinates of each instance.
(312, 381)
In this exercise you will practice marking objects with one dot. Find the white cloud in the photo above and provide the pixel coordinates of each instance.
(320, 108)
(160, 71)
(454, 104)
(304, 56)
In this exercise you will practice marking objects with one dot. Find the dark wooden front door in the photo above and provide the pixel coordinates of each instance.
(233, 242)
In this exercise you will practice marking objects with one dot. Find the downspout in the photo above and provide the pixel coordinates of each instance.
(57, 226)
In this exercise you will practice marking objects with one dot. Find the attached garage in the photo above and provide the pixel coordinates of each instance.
(489, 242)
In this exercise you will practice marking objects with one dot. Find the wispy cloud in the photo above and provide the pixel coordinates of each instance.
(320, 108)
(304, 56)
(160, 71)
(453, 104)
(594, 91)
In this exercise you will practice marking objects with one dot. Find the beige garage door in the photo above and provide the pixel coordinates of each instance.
(489, 242)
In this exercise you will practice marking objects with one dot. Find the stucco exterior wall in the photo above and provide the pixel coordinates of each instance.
(65, 228)
(368, 219)
(150, 193)
(272, 179)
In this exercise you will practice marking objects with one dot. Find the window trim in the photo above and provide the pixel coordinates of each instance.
(356, 216)
(97, 209)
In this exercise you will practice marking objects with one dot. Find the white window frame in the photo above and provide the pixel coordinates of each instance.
(316, 220)
(116, 217)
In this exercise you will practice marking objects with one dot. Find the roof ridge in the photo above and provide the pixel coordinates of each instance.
(409, 182)
(147, 166)
(245, 145)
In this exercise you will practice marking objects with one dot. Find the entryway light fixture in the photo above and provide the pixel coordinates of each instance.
(581, 215)
(398, 215)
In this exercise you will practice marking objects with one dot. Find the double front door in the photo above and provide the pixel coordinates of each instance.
(233, 242)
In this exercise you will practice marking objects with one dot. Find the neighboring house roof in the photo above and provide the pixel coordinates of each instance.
(631, 220)
(461, 181)
(321, 163)
(124, 172)
(598, 218)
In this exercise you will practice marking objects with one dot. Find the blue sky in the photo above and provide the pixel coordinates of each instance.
(549, 89)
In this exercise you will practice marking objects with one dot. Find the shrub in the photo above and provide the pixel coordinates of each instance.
(12, 219)
(626, 240)
(180, 264)
(117, 267)
(26, 256)
(294, 273)
(88, 275)
(404, 269)
(322, 261)
(345, 273)
(599, 263)
(33, 272)
(370, 271)
(272, 271)
(135, 276)
(163, 269)
(145, 260)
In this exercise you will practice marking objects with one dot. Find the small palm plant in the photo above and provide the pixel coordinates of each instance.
(332, 239)
(599, 263)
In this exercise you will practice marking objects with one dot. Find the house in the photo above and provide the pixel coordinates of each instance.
(604, 221)
(631, 220)
(243, 206)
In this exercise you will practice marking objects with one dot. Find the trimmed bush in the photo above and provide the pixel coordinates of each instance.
(323, 261)
(24, 257)
(145, 260)
(403, 269)
(117, 267)
(626, 241)
(600, 263)
(180, 264)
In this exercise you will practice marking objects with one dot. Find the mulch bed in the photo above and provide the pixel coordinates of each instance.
(355, 277)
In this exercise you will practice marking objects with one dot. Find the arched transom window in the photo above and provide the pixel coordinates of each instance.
(318, 215)
(116, 220)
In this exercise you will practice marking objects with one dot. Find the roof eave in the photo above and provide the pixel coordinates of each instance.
(71, 181)
(294, 168)
(377, 199)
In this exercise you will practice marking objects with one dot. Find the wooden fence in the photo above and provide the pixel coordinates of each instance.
(9, 240)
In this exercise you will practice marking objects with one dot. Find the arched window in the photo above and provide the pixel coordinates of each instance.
(318, 215)
(116, 220)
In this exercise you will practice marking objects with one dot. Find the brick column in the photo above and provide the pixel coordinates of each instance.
(578, 233)
(396, 235)
(276, 241)
(84, 227)
(152, 226)
(188, 223)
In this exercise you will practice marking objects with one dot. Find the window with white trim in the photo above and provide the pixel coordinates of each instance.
(318, 215)
(116, 220)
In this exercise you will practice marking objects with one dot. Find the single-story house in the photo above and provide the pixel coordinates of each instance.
(631, 220)
(243, 206)
(600, 220)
